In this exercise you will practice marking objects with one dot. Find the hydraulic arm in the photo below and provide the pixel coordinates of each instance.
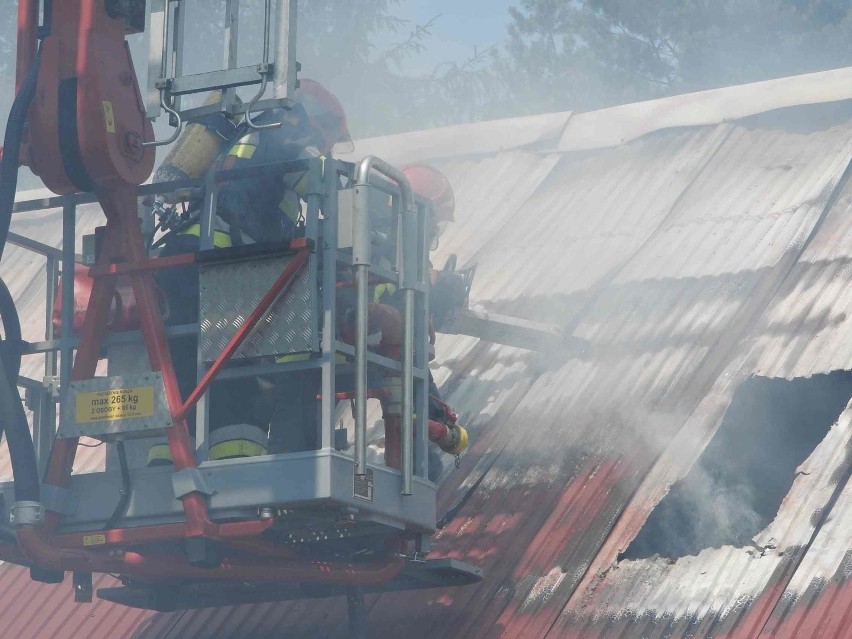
(79, 95)
(87, 129)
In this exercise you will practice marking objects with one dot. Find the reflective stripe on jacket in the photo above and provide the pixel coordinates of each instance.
(267, 204)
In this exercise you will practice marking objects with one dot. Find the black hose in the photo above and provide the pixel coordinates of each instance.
(10, 345)
(7, 533)
(18, 438)
(126, 488)
(12, 417)
(12, 148)
(176, 230)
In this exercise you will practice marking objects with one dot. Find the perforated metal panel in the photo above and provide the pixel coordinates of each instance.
(231, 291)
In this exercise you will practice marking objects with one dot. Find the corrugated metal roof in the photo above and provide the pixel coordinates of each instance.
(621, 124)
(803, 329)
(568, 131)
(689, 260)
(818, 600)
(39, 610)
(665, 336)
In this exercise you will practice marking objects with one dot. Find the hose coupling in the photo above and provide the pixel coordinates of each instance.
(456, 440)
(26, 513)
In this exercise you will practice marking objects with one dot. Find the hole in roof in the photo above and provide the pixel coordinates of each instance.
(736, 487)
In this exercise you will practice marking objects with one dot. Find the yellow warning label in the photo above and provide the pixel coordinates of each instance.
(94, 540)
(109, 117)
(109, 405)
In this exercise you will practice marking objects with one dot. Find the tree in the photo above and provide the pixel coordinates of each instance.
(337, 45)
(357, 48)
(590, 53)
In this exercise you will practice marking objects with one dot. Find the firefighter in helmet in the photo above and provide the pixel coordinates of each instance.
(267, 206)
(263, 207)
(292, 405)
(448, 292)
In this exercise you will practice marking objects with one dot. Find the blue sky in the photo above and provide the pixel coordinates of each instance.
(462, 25)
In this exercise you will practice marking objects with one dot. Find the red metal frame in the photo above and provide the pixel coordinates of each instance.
(151, 264)
(158, 567)
(162, 532)
(123, 237)
(75, 551)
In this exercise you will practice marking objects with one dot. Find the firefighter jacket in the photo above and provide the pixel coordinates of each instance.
(266, 205)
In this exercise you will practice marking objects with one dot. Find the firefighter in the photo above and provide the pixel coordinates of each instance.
(267, 207)
(448, 291)
(293, 416)
(264, 207)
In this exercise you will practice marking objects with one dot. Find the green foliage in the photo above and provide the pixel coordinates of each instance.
(558, 55)
(358, 49)
(589, 53)
(337, 45)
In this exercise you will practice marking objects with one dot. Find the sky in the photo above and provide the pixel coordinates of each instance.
(462, 25)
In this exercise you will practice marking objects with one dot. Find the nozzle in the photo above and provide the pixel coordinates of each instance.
(461, 437)
(451, 438)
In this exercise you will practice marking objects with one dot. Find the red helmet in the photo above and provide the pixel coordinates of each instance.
(325, 114)
(432, 185)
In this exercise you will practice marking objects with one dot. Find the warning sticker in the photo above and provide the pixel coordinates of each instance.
(94, 540)
(109, 117)
(113, 404)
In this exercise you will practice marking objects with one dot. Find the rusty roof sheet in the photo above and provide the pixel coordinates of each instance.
(677, 257)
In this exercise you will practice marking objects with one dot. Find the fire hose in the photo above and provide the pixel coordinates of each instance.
(13, 420)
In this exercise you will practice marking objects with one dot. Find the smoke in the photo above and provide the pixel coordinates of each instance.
(737, 485)
(395, 68)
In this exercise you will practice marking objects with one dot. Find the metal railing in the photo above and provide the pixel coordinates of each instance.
(408, 270)
(166, 25)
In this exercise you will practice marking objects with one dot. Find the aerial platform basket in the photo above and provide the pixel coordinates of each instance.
(305, 523)
(305, 517)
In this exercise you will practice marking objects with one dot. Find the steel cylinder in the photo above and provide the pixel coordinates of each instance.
(194, 152)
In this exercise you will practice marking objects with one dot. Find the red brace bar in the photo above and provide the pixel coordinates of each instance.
(279, 287)
(163, 567)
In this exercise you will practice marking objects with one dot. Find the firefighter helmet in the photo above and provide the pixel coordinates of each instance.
(430, 184)
(326, 115)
